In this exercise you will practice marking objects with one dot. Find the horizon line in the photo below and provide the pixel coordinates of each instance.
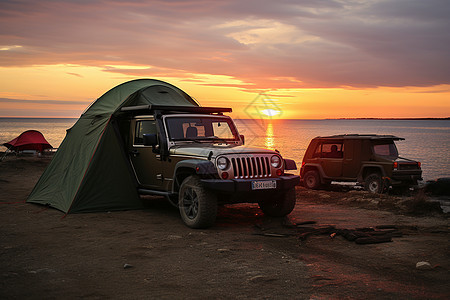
(269, 119)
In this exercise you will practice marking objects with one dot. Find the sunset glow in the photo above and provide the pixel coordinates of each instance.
(58, 57)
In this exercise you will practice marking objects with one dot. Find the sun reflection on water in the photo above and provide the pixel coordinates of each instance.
(269, 139)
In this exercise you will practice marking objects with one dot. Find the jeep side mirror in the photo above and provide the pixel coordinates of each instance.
(242, 138)
(150, 139)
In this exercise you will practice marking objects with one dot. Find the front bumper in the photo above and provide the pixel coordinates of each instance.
(283, 183)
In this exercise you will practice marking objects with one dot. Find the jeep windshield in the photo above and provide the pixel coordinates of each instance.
(201, 129)
(387, 149)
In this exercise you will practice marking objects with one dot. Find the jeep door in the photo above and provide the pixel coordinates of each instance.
(352, 158)
(146, 163)
(331, 154)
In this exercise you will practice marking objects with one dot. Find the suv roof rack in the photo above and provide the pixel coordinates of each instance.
(362, 136)
(171, 108)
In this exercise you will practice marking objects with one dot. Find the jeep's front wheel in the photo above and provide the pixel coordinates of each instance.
(198, 206)
(311, 180)
(276, 207)
(373, 183)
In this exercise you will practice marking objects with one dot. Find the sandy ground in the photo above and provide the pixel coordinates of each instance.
(151, 254)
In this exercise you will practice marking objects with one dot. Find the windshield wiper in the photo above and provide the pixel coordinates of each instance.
(200, 139)
(213, 138)
(187, 140)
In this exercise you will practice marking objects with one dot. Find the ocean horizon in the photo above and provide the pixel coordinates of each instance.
(426, 139)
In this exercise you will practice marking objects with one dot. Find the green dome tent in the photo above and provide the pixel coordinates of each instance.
(90, 171)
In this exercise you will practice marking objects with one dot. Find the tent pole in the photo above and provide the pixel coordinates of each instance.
(5, 154)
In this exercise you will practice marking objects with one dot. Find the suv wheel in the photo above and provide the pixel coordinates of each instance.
(276, 208)
(198, 206)
(373, 183)
(311, 180)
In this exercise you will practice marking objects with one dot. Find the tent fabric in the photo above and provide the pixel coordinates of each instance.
(142, 91)
(29, 140)
(90, 171)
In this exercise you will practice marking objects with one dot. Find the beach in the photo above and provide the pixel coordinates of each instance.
(150, 253)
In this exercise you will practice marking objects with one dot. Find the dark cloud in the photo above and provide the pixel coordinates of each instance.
(54, 102)
(75, 74)
(265, 44)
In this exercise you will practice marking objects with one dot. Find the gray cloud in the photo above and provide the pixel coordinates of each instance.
(54, 102)
(282, 44)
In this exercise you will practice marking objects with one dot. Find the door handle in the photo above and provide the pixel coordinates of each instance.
(134, 153)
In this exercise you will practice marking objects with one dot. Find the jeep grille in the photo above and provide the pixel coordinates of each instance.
(251, 167)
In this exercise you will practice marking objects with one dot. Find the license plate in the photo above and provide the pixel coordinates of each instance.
(264, 185)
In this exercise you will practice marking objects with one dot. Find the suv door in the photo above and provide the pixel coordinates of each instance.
(147, 165)
(352, 158)
(331, 155)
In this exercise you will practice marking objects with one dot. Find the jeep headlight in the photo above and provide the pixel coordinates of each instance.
(275, 161)
(222, 163)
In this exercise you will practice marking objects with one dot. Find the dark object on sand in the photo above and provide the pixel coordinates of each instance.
(438, 187)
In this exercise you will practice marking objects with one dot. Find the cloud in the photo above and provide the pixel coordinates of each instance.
(263, 44)
(54, 102)
(75, 74)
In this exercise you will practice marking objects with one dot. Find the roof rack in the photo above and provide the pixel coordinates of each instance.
(366, 136)
(192, 109)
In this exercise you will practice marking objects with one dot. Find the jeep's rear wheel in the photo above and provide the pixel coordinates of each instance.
(198, 206)
(373, 183)
(276, 207)
(311, 180)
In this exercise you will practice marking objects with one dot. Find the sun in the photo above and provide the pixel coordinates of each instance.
(270, 112)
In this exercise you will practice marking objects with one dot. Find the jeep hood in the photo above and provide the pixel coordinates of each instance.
(203, 150)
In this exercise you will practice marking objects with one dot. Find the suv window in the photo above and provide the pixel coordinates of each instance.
(386, 150)
(186, 128)
(329, 150)
(144, 127)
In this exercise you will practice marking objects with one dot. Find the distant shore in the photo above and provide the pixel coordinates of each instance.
(76, 118)
(408, 119)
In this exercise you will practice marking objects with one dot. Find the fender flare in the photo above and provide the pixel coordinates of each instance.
(289, 164)
(203, 168)
(371, 166)
(319, 169)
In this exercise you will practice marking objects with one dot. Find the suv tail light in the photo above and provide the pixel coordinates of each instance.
(395, 165)
(419, 164)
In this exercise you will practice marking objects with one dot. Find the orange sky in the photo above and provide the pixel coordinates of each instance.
(307, 59)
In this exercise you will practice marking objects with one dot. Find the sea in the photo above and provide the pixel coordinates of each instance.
(427, 141)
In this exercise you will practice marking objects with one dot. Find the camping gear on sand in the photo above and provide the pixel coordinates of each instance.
(90, 171)
(30, 140)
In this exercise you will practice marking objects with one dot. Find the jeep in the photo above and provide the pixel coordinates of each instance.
(369, 160)
(195, 157)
